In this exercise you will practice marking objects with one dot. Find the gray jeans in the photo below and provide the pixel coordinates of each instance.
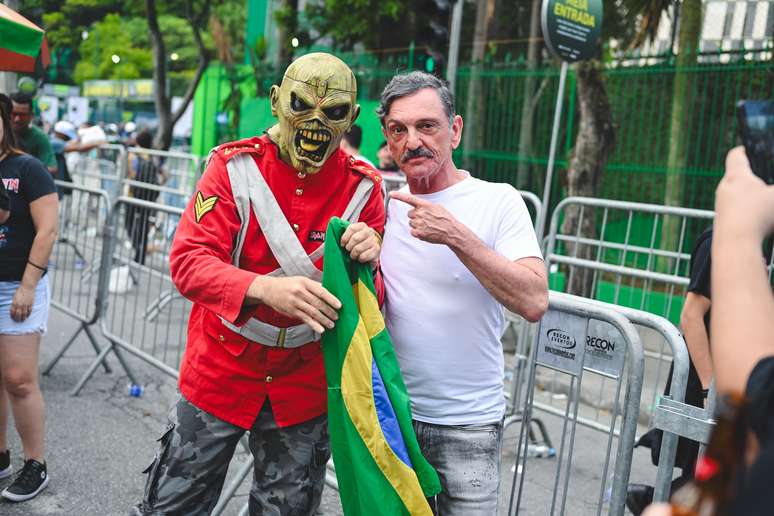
(188, 472)
(467, 459)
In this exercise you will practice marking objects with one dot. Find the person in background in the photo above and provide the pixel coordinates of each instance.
(29, 138)
(92, 135)
(26, 240)
(695, 325)
(386, 163)
(742, 355)
(456, 251)
(350, 143)
(394, 179)
(138, 219)
(127, 132)
(64, 139)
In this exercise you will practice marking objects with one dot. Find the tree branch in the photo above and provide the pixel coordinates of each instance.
(159, 53)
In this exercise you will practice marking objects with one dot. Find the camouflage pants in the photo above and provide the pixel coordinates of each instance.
(189, 470)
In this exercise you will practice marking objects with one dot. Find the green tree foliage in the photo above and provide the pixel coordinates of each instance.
(374, 23)
(380, 24)
(126, 38)
(117, 27)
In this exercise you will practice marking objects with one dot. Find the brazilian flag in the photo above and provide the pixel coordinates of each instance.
(379, 466)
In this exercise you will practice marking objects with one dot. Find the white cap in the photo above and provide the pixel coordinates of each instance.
(130, 127)
(66, 128)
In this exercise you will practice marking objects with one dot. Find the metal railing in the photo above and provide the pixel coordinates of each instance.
(613, 263)
(563, 345)
(76, 263)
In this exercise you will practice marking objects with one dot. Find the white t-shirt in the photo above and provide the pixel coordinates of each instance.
(444, 324)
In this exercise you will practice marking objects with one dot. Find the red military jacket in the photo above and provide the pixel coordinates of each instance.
(222, 372)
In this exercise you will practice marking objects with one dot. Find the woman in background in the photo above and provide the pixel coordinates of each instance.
(26, 239)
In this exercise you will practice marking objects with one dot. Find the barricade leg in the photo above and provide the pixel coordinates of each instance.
(92, 368)
(61, 352)
(101, 358)
(66, 241)
(666, 464)
(160, 303)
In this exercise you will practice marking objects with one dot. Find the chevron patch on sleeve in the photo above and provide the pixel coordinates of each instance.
(203, 205)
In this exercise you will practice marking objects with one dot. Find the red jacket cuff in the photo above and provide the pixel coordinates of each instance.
(232, 306)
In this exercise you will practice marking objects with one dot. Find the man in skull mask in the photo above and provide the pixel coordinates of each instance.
(248, 253)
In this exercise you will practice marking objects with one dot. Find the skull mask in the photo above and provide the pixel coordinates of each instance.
(315, 106)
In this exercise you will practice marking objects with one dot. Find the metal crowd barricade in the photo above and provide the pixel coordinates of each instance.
(93, 170)
(392, 181)
(563, 345)
(628, 262)
(113, 152)
(521, 331)
(673, 402)
(140, 310)
(181, 171)
(76, 260)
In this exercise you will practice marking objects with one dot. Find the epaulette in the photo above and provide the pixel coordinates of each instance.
(364, 168)
(230, 149)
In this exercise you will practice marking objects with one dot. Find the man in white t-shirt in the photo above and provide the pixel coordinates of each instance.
(456, 250)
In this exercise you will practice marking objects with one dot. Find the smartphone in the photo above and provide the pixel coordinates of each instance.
(756, 129)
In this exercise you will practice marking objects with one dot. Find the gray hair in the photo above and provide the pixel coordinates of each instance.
(407, 84)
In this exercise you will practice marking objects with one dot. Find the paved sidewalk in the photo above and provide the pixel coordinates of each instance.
(99, 442)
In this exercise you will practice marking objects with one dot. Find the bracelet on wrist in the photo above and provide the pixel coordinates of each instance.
(45, 270)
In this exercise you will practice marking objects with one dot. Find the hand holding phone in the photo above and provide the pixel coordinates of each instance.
(756, 129)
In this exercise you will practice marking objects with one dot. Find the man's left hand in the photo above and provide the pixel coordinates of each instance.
(362, 242)
(429, 221)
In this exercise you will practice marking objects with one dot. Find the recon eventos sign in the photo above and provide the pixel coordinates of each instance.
(561, 341)
(571, 27)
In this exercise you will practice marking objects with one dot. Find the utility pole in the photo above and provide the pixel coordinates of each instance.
(454, 45)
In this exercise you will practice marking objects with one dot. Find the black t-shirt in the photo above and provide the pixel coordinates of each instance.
(756, 497)
(25, 179)
(701, 266)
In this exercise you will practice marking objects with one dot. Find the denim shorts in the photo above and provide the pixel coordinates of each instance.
(38, 319)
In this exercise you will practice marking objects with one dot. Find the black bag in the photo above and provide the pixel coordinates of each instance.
(146, 171)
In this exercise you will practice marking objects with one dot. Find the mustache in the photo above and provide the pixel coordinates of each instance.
(420, 152)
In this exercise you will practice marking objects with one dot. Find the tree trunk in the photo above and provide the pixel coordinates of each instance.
(679, 131)
(287, 29)
(474, 105)
(528, 108)
(166, 118)
(593, 147)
